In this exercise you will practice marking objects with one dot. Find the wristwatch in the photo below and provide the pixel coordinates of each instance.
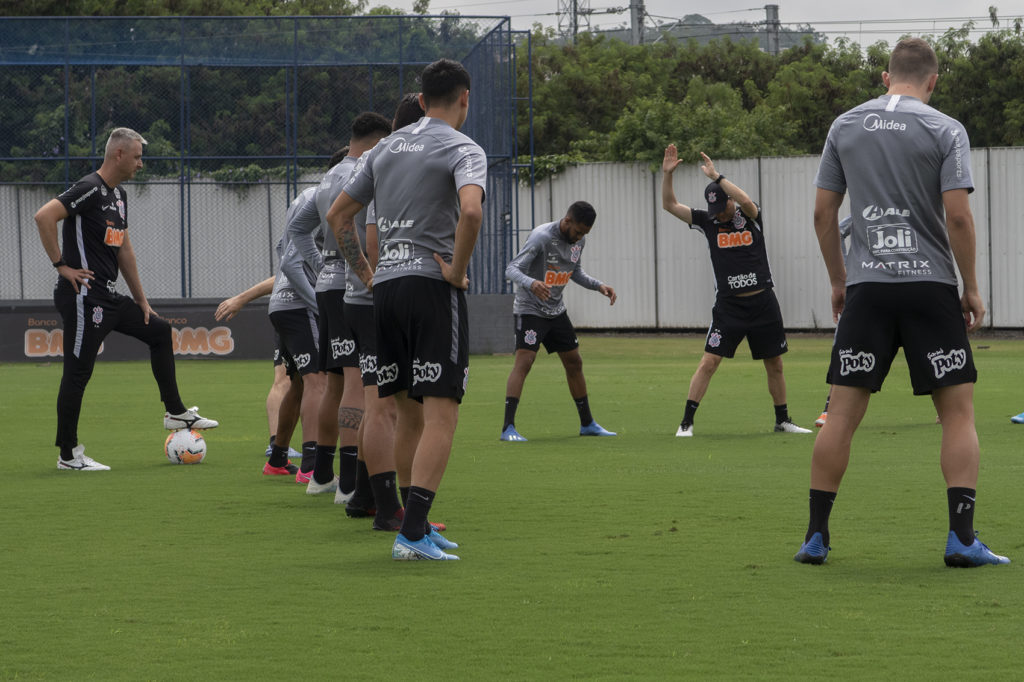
(59, 263)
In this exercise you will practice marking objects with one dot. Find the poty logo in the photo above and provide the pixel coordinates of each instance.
(302, 359)
(850, 362)
(396, 250)
(873, 122)
(740, 281)
(944, 363)
(399, 145)
(887, 239)
(342, 347)
(873, 212)
(387, 374)
(425, 373)
(367, 364)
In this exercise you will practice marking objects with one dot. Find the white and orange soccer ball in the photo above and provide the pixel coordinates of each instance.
(185, 447)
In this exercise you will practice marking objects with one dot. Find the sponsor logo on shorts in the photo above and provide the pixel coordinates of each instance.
(873, 122)
(97, 315)
(892, 238)
(944, 363)
(425, 373)
(714, 339)
(342, 347)
(741, 281)
(465, 379)
(730, 240)
(872, 212)
(367, 364)
(399, 145)
(530, 337)
(277, 355)
(387, 374)
(850, 362)
(302, 360)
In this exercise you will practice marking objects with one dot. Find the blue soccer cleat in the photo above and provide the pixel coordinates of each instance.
(1019, 419)
(813, 551)
(595, 429)
(960, 555)
(510, 434)
(406, 550)
(441, 541)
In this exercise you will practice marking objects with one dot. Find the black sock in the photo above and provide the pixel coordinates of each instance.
(827, 399)
(404, 491)
(323, 466)
(66, 453)
(308, 456)
(176, 407)
(384, 497)
(415, 522)
(511, 405)
(349, 468)
(961, 513)
(689, 412)
(781, 413)
(821, 507)
(272, 439)
(583, 407)
(278, 455)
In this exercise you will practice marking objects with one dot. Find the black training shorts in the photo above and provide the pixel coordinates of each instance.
(556, 333)
(757, 317)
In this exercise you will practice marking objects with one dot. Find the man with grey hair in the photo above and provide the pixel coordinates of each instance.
(907, 168)
(96, 247)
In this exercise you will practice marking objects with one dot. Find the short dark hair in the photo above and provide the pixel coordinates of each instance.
(337, 156)
(443, 82)
(582, 212)
(368, 123)
(912, 61)
(408, 110)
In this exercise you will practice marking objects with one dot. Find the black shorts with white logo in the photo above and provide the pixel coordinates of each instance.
(297, 330)
(336, 339)
(422, 338)
(757, 317)
(923, 317)
(556, 333)
(360, 320)
(278, 360)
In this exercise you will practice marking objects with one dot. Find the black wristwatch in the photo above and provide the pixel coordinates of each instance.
(59, 263)
(719, 179)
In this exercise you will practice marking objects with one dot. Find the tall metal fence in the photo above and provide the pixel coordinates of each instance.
(240, 114)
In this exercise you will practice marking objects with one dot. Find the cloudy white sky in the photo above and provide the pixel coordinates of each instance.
(864, 21)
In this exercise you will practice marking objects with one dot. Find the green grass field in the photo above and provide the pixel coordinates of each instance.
(642, 556)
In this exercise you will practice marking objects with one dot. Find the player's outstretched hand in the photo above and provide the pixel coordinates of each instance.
(609, 292)
(708, 166)
(457, 280)
(671, 159)
(974, 310)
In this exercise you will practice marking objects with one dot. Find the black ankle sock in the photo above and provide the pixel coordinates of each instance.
(175, 407)
(827, 400)
(308, 456)
(349, 468)
(66, 453)
(689, 412)
(384, 495)
(821, 506)
(583, 407)
(323, 466)
(511, 405)
(961, 513)
(272, 439)
(781, 413)
(278, 455)
(415, 522)
(404, 491)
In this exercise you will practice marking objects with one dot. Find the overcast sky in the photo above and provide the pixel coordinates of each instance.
(865, 21)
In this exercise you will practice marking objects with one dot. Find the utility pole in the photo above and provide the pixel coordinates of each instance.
(772, 25)
(636, 22)
(570, 13)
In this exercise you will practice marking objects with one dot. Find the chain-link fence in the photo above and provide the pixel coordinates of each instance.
(240, 114)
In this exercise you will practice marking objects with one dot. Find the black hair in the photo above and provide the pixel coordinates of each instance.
(443, 82)
(583, 213)
(368, 123)
(408, 110)
(337, 157)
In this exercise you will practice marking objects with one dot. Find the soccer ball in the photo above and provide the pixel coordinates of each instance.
(185, 447)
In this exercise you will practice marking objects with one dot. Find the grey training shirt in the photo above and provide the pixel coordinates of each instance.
(332, 276)
(896, 156)
(294, 292)
(414, 176)
(547, 257)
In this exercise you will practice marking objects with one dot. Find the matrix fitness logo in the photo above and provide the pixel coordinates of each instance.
(944, 363)
(850, 362)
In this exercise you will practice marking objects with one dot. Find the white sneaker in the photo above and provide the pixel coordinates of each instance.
(80, 461)
(684, 433)
(314, 488)
(789, 427)
(343, 498)
(189, 419)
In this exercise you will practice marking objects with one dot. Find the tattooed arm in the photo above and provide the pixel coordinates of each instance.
(341, 219)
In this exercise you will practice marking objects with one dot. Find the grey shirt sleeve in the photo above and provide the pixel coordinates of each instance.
(291, 266)
(301, 231)
(516, 270)
(580, 276)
